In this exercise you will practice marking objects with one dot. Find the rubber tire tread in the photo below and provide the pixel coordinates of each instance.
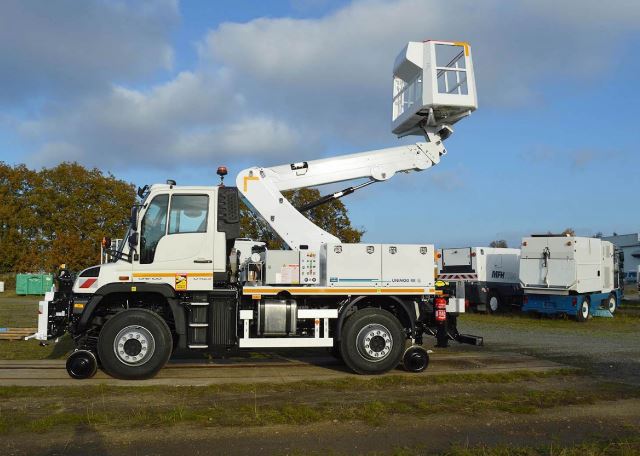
(488, 306)
(149, 320)
(354, 324)
(579, 316)
(615, 298)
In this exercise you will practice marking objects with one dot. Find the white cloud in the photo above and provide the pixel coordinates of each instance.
(68, 48)
(183, 122)
(276, 87)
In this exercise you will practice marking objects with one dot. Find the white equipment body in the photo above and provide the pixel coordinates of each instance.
(489, 275)
(483, 264)
(560, 265)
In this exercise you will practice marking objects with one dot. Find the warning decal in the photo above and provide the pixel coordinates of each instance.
(181, 281)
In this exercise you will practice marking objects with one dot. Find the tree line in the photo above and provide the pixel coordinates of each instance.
(59, 215)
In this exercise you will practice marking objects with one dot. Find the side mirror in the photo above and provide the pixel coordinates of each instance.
(133, 221)
(133, 240)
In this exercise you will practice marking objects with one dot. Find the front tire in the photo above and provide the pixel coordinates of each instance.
(372, 341)
(583, 310)
(134, 344)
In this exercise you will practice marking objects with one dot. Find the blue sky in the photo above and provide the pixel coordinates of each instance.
(170, 89)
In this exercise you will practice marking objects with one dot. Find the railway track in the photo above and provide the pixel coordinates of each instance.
(271, 370)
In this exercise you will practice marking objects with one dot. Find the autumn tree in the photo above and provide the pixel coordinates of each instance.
(331, 217)
(500, 243)
(58, 215)
(18, 221)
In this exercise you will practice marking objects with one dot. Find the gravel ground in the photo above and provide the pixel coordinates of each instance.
(602, 347)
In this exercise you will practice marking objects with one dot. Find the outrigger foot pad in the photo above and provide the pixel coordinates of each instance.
(469, 339)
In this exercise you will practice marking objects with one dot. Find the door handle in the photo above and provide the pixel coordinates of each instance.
(202, 260)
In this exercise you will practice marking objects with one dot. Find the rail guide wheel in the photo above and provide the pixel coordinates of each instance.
(415, 359)
(82, 364)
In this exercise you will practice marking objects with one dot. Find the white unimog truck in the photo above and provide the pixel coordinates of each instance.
(174, 284)
(489, 275)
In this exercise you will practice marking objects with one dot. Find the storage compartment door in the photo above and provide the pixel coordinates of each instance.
(353, 265)
(456, 260)
(408, 265)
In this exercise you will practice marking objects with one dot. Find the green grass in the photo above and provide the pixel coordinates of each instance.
(22, 312)
(296, 412)
(626, 319)
(347, 384)
(18, 311)
(32, 350)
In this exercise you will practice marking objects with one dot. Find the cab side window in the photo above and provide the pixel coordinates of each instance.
(153, 227)
(189, 214)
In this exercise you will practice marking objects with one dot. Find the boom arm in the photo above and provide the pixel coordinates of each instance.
(262, 187)
(433, 87)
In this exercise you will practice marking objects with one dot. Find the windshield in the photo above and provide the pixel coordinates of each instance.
(153, 227)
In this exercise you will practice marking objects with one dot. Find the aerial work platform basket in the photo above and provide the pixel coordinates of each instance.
(433, 84)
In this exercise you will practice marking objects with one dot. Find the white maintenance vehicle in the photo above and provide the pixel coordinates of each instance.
(577, 276)
(176, 284)
(490, 275)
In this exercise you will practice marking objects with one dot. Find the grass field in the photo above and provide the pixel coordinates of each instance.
(279, 414)
(306, 402)
(564, 412)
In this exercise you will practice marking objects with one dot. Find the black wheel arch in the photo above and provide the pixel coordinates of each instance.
(132, 289)
(404, 310)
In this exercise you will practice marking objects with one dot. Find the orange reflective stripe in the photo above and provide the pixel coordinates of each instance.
(147, 275)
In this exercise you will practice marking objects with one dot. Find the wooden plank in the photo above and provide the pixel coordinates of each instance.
(8, 330)
(15, 333)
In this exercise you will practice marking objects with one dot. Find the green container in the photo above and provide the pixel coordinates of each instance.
(33, 284)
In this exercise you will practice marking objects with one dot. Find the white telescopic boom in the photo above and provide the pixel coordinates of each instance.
(262, 187)
(433, 87)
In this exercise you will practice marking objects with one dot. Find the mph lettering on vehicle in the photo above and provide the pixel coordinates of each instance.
(507, 276)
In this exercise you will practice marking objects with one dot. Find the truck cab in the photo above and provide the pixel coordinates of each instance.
(179, 235)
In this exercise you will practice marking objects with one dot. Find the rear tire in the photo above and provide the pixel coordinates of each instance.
(612, 303)
(134, 344)
(372, 341)
(583, 310)
(494, 303)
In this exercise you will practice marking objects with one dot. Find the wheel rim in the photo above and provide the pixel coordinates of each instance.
(585, 309)
(374, 342)
(134, 345)
(612, 304)
(493, 303)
